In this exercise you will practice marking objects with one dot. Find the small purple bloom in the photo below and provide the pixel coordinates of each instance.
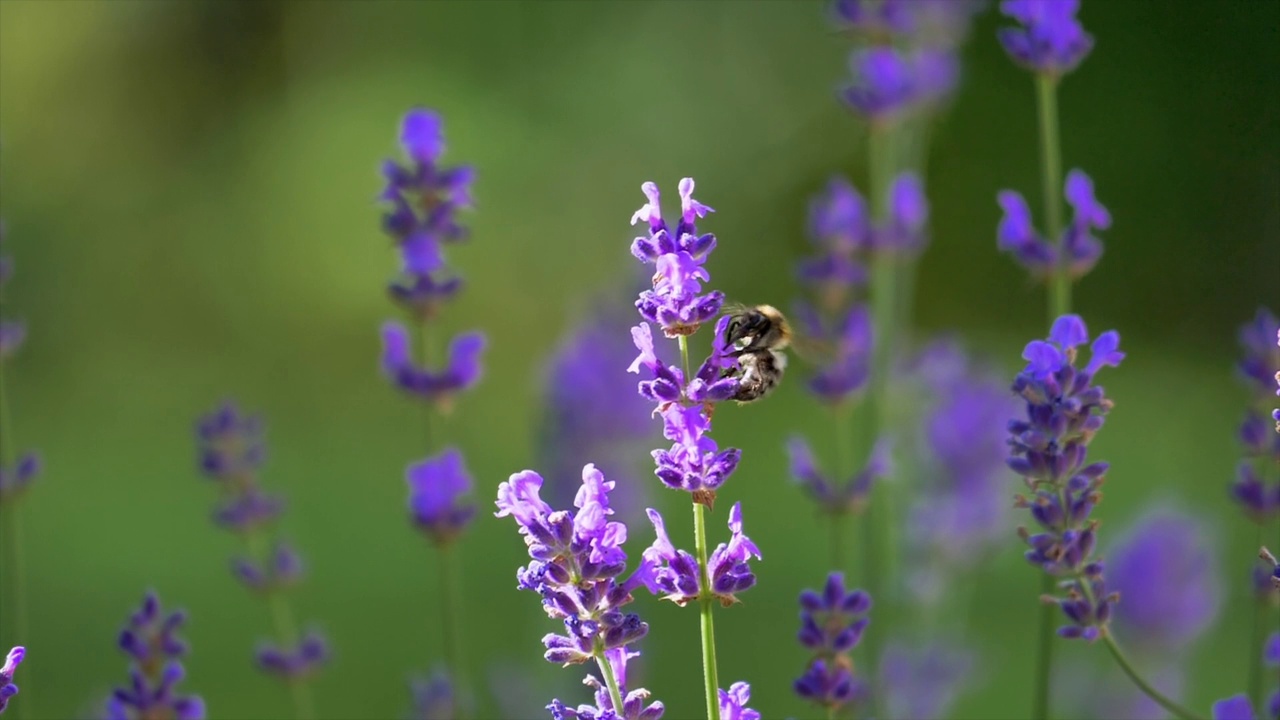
(733, 703)
(635, 703)
(674, 574)
(831, 625)
(150, 639)
(923, 682)
(283, 569)
(15, 480)
(230, 444)
(1164, 571)
(7, 688)
(1078, 250)
(834, 495)
(292, 664)
(922, 23)
(1236, 707)
(436, 486)
(461, 370)
(248, 510)
(1050, 41)
(888, 83)
(845, 373)
(676, 302)
(434, 698)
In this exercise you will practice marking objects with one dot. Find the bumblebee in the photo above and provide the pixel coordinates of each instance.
(756, 337)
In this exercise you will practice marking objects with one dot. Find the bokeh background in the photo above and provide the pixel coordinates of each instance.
(189, 193)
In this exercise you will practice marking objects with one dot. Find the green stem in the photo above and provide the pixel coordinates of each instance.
(1260, 611)
(451, 611)
(707, 624)
(840, 473)
(1051, 177)
(1143, 685)
(610, 681)
(15, 579)
(286, 631)
(1044, 652)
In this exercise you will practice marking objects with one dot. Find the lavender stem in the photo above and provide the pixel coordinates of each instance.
(1143, 685)
(610, 679)
(451, 610)
(842, 469)
(285, 628)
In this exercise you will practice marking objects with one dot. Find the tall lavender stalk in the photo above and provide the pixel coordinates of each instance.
(423, 199)
(1049, 443)
(17, 472)
(1257, 484)
(231, 453)
(1050, 43)
(694, 463)
(151, 641)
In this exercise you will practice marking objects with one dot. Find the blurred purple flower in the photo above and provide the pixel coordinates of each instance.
(676, 303)
(1259, 367)
(434, 698)
(230, 444)
(292, 664)
(7, 688)
(920, 23)
(831, 626)
(283, 569)
(1050, 41)
(424, 199)
(1163, 568)
(922, 683)
(1064, 409)
(844, 372)
(12, 332)
(1236, 707)
(436, 488)
(889, 83)
(150, 639)
(460, 373)
(15, 480)
(835, 495)
(1077, 249)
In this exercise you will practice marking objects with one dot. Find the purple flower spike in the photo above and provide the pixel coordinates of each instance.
(14, 481)
(423, 201)
(1077, 250)
(7, 688)
(1236, 707)
(1050, 41)
(733, 703)
(461, 371)
(831, 626)
(676, 302)
(436, 486)
(295, 663)
(150, 639)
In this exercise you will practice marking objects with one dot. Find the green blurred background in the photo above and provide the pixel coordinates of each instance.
(189, 191)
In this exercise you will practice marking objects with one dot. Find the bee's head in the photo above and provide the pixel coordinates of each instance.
(756, 328)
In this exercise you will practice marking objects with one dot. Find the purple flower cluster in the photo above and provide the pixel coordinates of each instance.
(1259, 367)
(674, 574)
(1077, 250)
(831, 626)
(577, 564)
(424, 199)
(1064, 409)
(437, 487)
(960, 512)
(150, 640)
(7, 688)
(676, 303)
(231, 452)
(834, 495)
(1050, 41)
(889, 83)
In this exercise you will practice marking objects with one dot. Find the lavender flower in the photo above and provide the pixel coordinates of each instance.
(830, 627)
(674, 574)
(424, 199)
(435, 698)
(831, 495)
(676, 303)
(1164, 570)
(1064, 409)
(1258, 366)
(923, 682)
(150, 639)
(577, 562)
(1078, 250)
(15, 480)
(7, 688)
(889, 83)
(844, 374)
(592, 412)
(926, 23)
(1236, 707)
(635, 705)
(1050, 41)
(733, 703)
(460, 373)
(436, 486)
(231, 451)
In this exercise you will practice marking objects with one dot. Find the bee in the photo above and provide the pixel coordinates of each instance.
(756, 337)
